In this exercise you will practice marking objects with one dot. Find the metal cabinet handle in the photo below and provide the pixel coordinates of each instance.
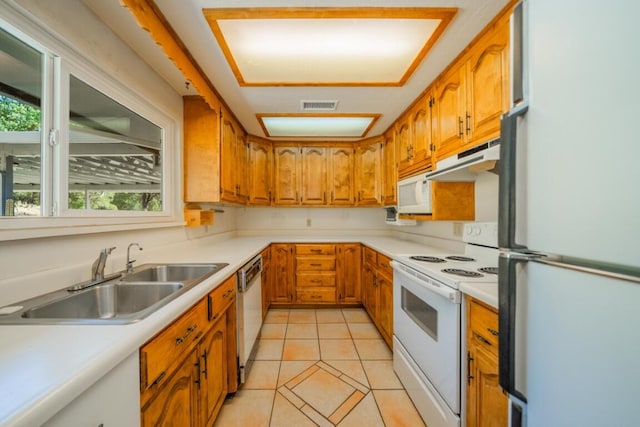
(190, 329)
(481, 338)
(493, 332)
(468, 120)
(469, 376)
(160, 377)
(460, 127)
(205, 355)
(197, 379)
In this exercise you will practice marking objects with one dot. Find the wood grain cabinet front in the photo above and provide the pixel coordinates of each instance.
(188, 368)
(487, 404)
(377, 291)
(315, 266)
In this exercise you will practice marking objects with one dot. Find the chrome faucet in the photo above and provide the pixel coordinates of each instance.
(97, 269)
(129, 260)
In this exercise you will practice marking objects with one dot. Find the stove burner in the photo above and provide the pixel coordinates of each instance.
(461, 272)
(488, 270)
(459, 258)
(427, 258)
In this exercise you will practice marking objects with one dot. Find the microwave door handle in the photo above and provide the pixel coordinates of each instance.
(507, 183)
(507, 291)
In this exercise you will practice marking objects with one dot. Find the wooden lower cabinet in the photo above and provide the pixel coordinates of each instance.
(315, 273)
(175, 404)
(186, 387)
(377, 291)
(487, 404)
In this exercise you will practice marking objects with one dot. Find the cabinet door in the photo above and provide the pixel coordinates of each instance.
(487, 405)
(286, 175)
(259, 172)
(390, 171)
(451, 113)
(213, 371)
(282, 273)
(370, 174)
(314, 176)
(489, 84)
(422, 134)
(266, 280)
(175, 405)
(403, 146)
(201, 151)
(385, 308)
(242, 168)
(340, 177)
(369, 291)
(348, 273)
(229, 160)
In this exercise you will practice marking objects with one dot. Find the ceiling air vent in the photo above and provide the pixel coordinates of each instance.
(319, 105)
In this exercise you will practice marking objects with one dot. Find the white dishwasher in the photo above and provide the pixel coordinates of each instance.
(249, 313)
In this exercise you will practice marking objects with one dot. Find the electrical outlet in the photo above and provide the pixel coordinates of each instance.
(308, 222)
(457, 229)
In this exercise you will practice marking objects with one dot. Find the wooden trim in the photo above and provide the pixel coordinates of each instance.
(374, 116)
(151, 19)
(445, 15)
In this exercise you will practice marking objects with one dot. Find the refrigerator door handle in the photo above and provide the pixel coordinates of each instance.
(507, 320)
(507, 184)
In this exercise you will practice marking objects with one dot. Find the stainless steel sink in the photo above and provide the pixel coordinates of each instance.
(126, 298)
(172, 272)
(107, 301)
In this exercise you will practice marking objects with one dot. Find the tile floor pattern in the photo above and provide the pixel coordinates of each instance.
(320, 367)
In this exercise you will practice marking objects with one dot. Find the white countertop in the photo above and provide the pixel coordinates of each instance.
(44, 367)
(485, 292)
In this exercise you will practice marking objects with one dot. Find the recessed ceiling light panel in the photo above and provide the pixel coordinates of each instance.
(338, 47)
(320, 126)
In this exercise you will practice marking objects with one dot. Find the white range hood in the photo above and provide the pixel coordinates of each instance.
(466, 165)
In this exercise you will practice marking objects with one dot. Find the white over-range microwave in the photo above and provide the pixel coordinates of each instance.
(414, 195)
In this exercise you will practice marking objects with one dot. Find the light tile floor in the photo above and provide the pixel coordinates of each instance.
(320, 367)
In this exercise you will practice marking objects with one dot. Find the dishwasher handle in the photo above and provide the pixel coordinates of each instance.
(248, 273)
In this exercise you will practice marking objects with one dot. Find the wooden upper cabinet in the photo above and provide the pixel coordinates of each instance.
(369, 172)
(286, 175)
(416, 137)
(473, 93)
(314, 176)
(488, 71)
(340, 177)
(242, 168)
(450, 104)
(389, 170)
(201, 150)
(229, 159)
(260, 170)
(403, 145)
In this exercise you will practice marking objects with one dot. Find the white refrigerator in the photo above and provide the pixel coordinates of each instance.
(569, 216)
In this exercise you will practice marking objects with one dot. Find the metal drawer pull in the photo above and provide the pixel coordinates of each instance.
(315, 265)
(493, 332)
(481, 338)
(316, 296)
(181, 339)
(316, 281)
(317, 251)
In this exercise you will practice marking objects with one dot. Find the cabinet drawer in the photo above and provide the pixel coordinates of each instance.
(318, 279)
(315, 295)
(483, 326)
(315, 249)
(327, 263)
(383, 264)
(370, 256)
(220, 297)
(157, 356)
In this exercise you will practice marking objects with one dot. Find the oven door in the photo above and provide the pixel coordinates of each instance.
(426, 316)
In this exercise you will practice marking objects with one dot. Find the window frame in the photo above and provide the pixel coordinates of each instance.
(61, 61)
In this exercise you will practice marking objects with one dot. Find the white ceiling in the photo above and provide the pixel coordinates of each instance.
(189, 23)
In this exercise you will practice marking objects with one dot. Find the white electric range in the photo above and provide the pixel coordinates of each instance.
(427, 312)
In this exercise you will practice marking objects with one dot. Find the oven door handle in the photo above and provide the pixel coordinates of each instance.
(428, 283)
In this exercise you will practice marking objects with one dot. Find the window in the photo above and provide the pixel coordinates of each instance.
(75, 144)
(21, 80)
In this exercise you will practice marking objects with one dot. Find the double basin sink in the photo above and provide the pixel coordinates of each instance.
(122, 298)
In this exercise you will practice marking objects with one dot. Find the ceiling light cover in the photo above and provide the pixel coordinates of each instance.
(359, 47)
(355, 126)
